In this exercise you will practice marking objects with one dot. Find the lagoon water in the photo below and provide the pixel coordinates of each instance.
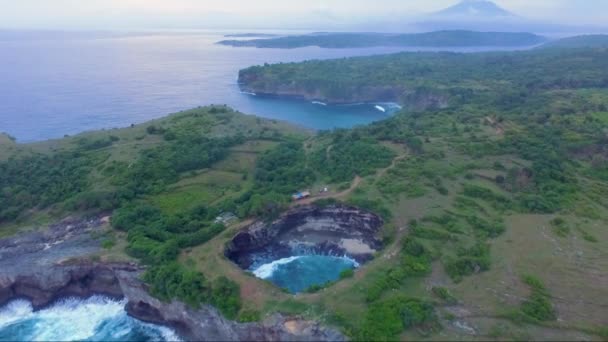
(54, 84)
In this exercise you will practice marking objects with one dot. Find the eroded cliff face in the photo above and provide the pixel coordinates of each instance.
(332, 230)
(43, 286)
(253, 82)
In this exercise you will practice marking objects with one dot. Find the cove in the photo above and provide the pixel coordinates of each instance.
(94, 319)
(317, 115)
(299, 273)
(307, 246)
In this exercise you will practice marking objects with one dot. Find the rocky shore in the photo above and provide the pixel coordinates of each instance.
(43, 286)
(256, 82)
(333, 230)
(46, 266)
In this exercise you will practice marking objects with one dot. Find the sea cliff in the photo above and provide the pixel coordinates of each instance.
(48, 265)
(257, 81)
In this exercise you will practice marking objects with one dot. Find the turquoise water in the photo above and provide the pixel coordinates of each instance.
(298, 273)
(95, 319)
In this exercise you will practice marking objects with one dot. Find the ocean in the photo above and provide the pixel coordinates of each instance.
(54, 84)
(298, 273)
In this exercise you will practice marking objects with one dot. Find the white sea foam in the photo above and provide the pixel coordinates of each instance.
(166, 333)
(319, 103)
(76, 319)
(265, 271)
(14, 312)
(380, 108)
(248, 93)
(352, 261)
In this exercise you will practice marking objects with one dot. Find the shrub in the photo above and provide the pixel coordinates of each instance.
(248, 316)
(386, 319)
(348, 273)
(469, 261)
(537, 307)
(174, 281)
(415, 261)
(444, 294)
(108, 243)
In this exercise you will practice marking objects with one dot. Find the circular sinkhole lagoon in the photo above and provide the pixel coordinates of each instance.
(307, 246)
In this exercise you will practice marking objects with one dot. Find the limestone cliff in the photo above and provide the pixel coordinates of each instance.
(253, 81)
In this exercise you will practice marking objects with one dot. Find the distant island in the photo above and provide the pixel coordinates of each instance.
(585, 41)
(456, 38)
(251, 35)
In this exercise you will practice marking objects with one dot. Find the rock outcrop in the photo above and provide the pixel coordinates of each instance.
(332, 230)
(46, 265)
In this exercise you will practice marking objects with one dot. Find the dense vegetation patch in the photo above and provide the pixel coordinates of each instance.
(537, 307)
(387, 319)
(495, 80)
(348, 155)
(40, 180)
(173, 281)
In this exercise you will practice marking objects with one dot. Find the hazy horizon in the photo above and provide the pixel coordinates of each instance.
(267, 14)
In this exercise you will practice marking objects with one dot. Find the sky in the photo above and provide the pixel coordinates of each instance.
(158, 14)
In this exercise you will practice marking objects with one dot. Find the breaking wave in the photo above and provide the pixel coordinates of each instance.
(95, 319)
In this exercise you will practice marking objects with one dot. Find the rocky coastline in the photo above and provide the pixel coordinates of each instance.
(45, 286)
(332, 230)
(44, 267)
(412, 99)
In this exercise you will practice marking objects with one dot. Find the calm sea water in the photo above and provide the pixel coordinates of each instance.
(52, 85)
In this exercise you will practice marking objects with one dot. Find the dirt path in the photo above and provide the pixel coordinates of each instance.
(497, 126)
(356, 182)
(393, 164)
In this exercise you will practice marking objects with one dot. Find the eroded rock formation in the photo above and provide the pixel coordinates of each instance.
(46, 265)
(43, 286)
(332, 230)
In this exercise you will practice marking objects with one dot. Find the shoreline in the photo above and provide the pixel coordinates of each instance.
(46, 266)
(45, 287)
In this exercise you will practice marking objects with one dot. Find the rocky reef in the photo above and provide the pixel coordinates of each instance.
(333, 230)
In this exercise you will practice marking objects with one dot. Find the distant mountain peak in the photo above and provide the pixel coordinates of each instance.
(475, 8)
